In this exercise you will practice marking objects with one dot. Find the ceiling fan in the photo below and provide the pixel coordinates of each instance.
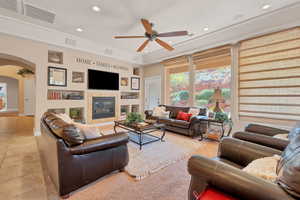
(153, 35)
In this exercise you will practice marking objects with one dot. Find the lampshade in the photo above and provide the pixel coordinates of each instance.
(217, 97)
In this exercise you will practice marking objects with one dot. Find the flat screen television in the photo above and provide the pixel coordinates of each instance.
(100, 80)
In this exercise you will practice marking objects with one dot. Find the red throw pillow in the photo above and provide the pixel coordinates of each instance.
(183, 116)
(212, 194)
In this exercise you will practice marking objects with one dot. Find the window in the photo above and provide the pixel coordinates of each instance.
(207, 80)
(179, 89)
(269, 72)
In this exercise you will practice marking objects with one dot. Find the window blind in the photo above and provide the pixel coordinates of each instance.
(177, 65)
(212, 58)
(269, 77)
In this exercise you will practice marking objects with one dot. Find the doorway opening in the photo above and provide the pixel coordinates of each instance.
(17, 95)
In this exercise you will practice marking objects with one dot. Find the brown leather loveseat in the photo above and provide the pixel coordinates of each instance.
(71, 160)
(192, 128)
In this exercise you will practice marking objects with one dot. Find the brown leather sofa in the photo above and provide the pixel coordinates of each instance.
(193, 128)
(72, 161)
(263, 135)
(224, 172)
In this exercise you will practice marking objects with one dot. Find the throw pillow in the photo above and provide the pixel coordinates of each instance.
(282, 136)
(89, 131)
(194, 111)
(157, 111)
(264, 168)
(183, 116)
(65, 117)
(212, 194)
(165, 115)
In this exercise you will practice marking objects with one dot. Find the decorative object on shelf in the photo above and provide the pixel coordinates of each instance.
(77, 114)
(3, 97)
(124, 81)
(57, 76)
(135, 83)
(78, 77)
(217, 98)
(57, 110)
(55, 57)
(124, 109)
(65, 95)
(129, 95)
(135, 108)
(136, 71)
(211, 115)
(23, 72)
(133, 118)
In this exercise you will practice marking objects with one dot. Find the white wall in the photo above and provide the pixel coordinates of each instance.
(12, 92)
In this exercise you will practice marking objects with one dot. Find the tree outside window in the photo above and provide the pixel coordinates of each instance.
(207, 80)
(179, 89)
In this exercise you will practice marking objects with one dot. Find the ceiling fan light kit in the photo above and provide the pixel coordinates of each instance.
(153, 35)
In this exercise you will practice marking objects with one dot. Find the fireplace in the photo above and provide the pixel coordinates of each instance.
(103, 107)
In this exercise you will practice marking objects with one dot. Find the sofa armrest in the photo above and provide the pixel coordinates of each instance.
(105, 142)
(242, 152)
(264, 130)
(148, 113)
(264, 140)
(230, 180)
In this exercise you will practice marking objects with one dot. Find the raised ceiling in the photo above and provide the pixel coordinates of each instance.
(122, 17)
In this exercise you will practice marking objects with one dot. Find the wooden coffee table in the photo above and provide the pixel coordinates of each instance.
(141, 133)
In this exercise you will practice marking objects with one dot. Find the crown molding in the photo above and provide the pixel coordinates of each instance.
(279, 19)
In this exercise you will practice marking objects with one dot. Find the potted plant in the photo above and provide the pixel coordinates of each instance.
(133, 118)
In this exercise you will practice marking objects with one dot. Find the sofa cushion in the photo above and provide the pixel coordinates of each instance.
(90, 132)
(263, 168)
(288, 169)
(68, 132)
(175, 123)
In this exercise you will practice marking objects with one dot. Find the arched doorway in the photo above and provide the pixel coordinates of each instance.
(17, 107)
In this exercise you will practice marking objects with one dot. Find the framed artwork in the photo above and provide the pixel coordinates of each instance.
(3, 97)
(57, 76)
(124, 81)
(135, 83)
(78, 77)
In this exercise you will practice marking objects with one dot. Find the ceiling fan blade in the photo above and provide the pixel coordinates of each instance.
(164, 44)
(143, 46)
(121, 37)
(147, 25)
(173, 34)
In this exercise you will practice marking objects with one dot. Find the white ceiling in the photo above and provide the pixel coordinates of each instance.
(122, 17)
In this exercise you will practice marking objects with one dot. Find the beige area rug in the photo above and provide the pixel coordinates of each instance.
(158, 155)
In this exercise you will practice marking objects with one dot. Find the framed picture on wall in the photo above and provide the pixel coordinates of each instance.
(78, 77)
(124, 81)
(135, 83)
(57, 76)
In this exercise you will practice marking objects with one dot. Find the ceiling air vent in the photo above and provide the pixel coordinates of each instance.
(70, 42)
(39, 14)
(9, 4)
(108, 51)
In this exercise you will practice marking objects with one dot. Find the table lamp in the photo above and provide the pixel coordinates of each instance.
(217, 98)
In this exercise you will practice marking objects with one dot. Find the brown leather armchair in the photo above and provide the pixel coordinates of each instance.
(263, 135)
(78, 162)
(224, 172)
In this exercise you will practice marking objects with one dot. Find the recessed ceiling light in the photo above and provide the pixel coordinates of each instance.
(79, 29)
(96, 8)
(265, 7)
(205, 29)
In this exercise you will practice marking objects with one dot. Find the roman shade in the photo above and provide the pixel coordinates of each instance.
(177, 65)
(212, 58)
(269, 76)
